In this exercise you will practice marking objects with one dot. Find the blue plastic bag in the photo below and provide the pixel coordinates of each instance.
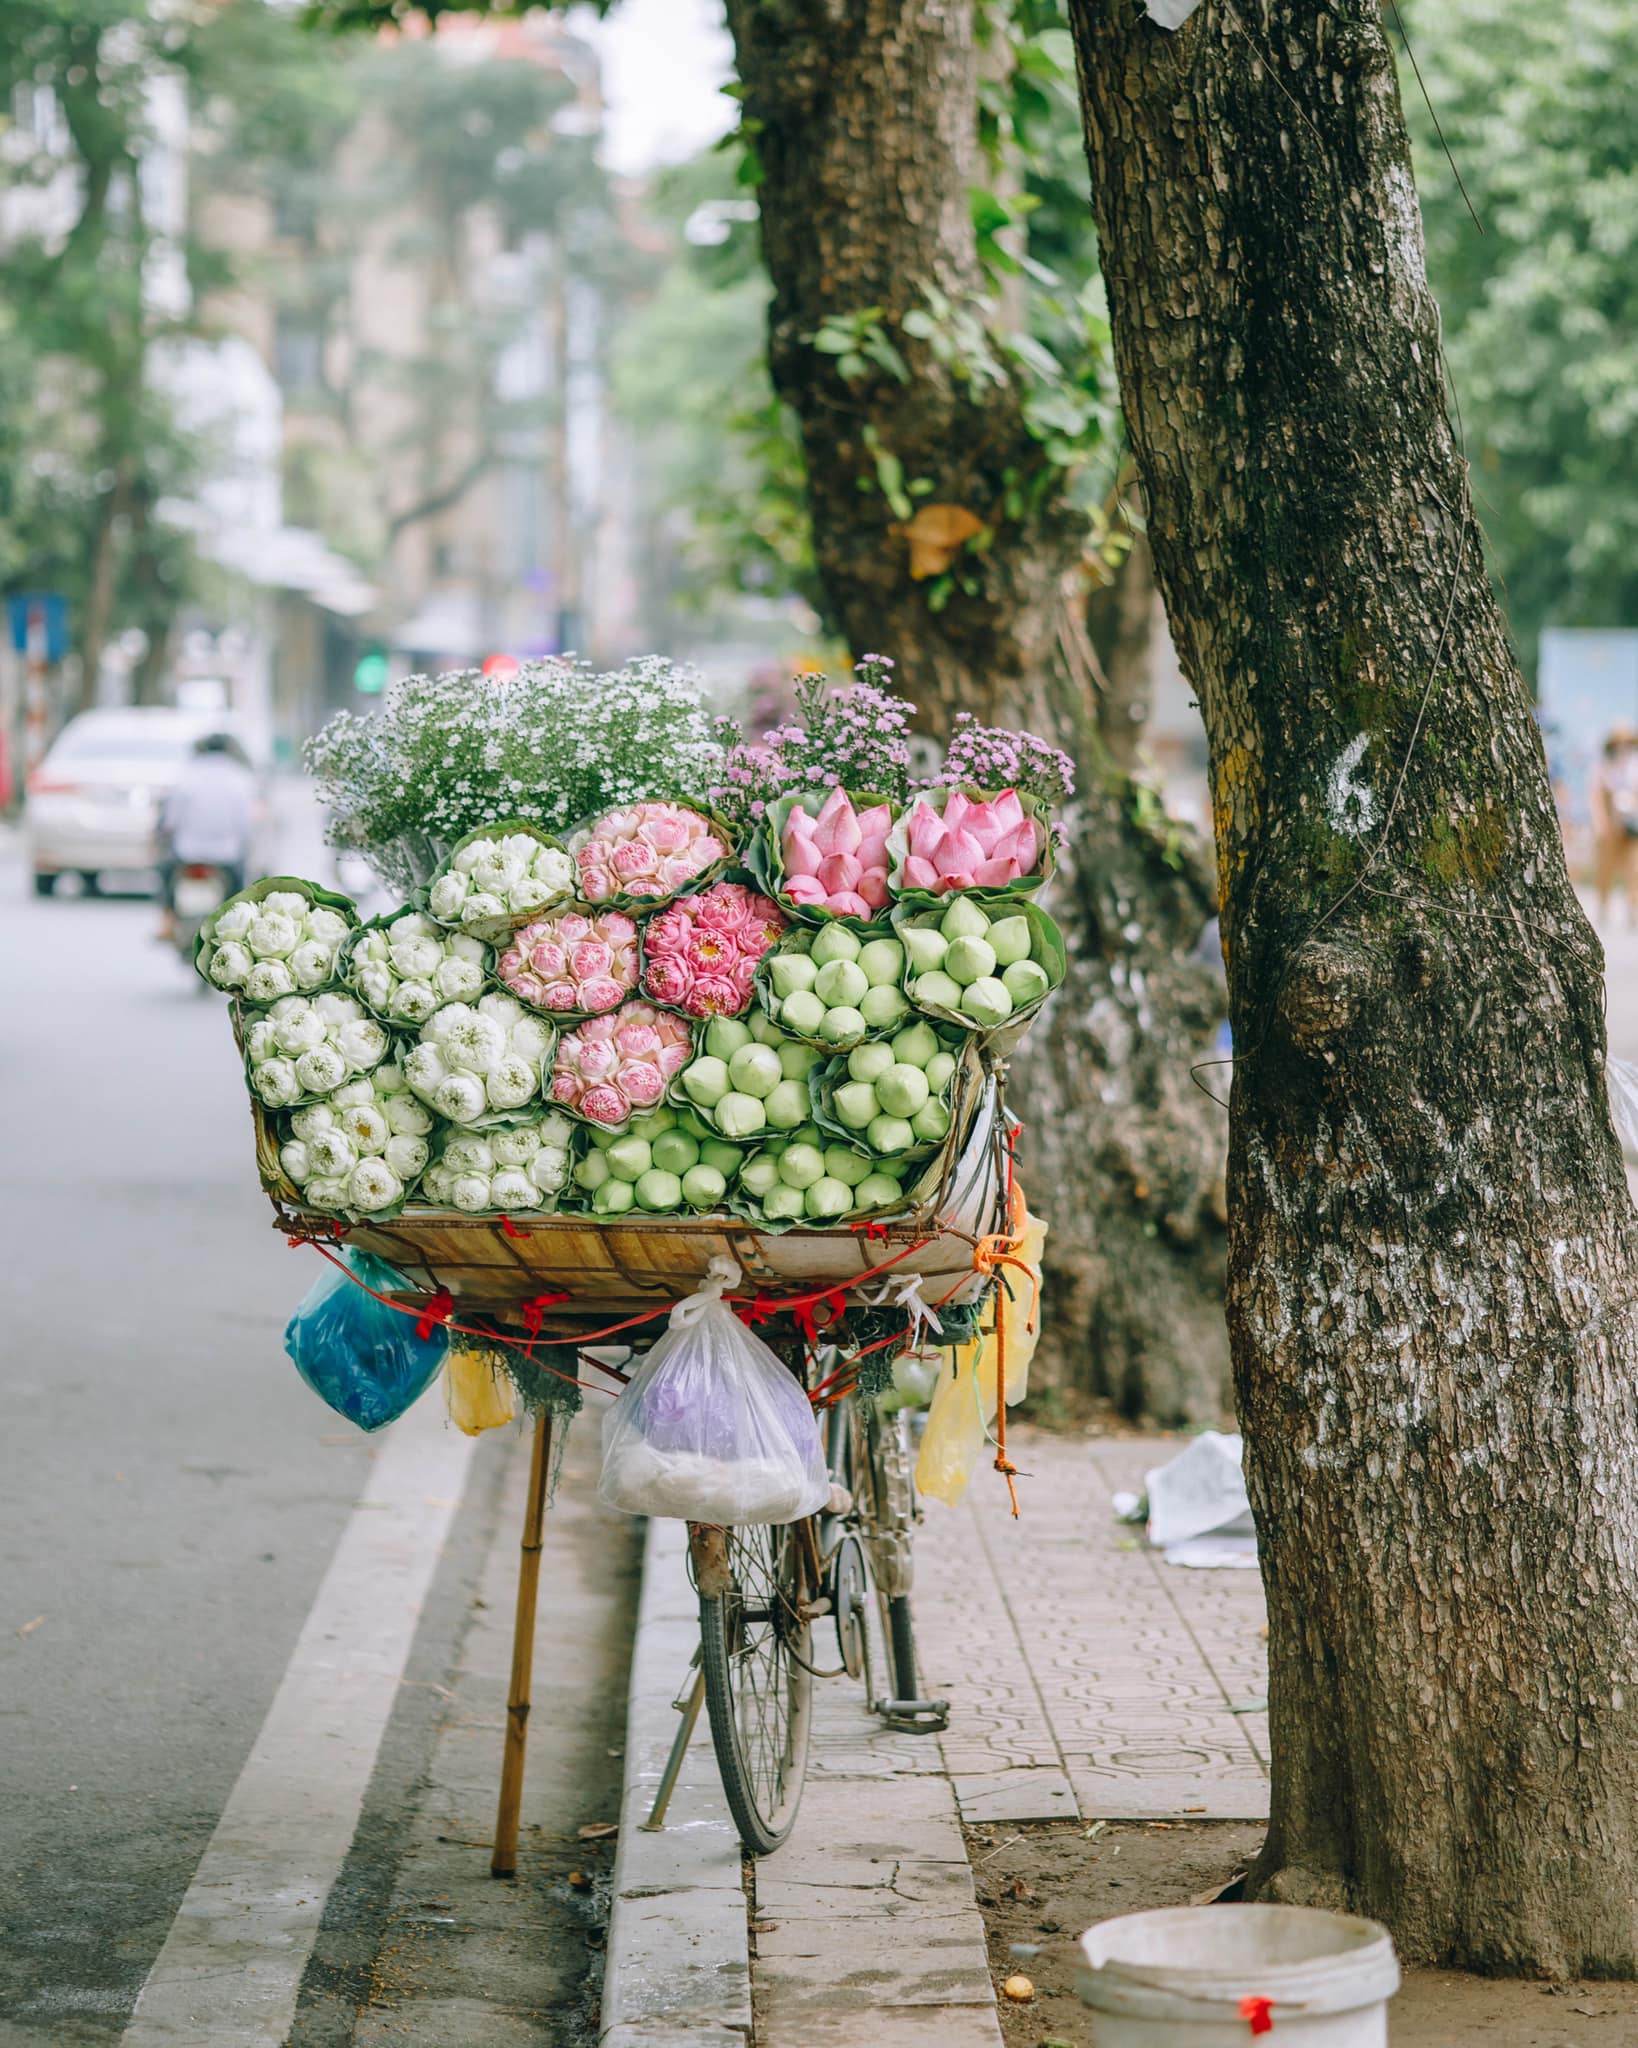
(361, 1357)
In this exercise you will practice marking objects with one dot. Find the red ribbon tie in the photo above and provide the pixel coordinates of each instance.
(1258, 2014)
(534, 1310)
(509, 1228)
(434, 1313)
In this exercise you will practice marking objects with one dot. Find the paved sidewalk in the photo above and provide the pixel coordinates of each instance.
(1084, 1677)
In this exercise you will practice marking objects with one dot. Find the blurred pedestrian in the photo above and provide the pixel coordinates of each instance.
(208, 818)
(1615, 818)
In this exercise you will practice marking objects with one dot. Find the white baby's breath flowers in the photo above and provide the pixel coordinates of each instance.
(405, 969)
(309, 1046)
(283, 944)
(490, 883)
(479, 1059)
(361, 1151)
(518, 1168)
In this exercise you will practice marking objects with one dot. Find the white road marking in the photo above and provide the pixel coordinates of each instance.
(231, 1968)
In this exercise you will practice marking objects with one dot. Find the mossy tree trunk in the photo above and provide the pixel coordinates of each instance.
(863, 116)
(1432, 1250)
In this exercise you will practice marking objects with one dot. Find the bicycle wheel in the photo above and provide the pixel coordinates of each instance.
(755, 1653)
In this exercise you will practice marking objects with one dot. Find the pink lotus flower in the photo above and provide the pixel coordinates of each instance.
(805, 889)
(669, 981)
(802, 857)
(667, 831)
(647, 850)
(595, 1059)
(709, 945)
(718, 995)
(510, 962)
(620, 1059)
(637, 1039)
(596, 882)
(566, 1088)
(641, 1082)
(528, 988)
(548, 958)
(677, 870)
(983, 844)
(729, 907)
(673, 1058)
(602, 992)
(590, 960)
(827, 858)
(597, 1027)
(667, 934)
(559, 995)
(847, 903)
(634, 860)
(873, 887)
(605, 1105)
(920, 873)
(839, 871)
(647, 887)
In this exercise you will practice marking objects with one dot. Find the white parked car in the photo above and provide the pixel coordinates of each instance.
(94, 801)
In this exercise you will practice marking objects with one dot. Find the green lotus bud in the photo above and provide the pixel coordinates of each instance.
(787, 1105)
(842, 1025)
(706, 1081)
(877, 1191)
(723, 1159)
(753, 1070)
(844, 1164)
(915, 1045)
(1026, 981)
(808, 1134)
(803, 1012)
(653, 1123)
(789, 972)
(591, 1172)
(964, 920)
(987, 1002)
(884, 1007)
(797, 1061)
(630, 1157)
(925, 947)
(890, 1134)
(703, 1187)
(741, 1116)
(937, 992)
(865, 1062)
(784, 1205)
(693, 1123)
(855, 1104)
(939, 1070)
(881, 961)
(901, 1091)
(757, 1175)
(828, 1197)
(765, 1031)
(841, 984)
(836, 942)
(603, 1139)
(931, 1123)
(969, 960)
(725, 1035)
(656, 1190)
(675, 1151)
(1010, 938)
(613, 1198)
(801, 1165)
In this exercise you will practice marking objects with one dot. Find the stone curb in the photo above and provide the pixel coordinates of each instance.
(679, 1968)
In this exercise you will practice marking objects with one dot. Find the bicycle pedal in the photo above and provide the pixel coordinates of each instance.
(915, 1717)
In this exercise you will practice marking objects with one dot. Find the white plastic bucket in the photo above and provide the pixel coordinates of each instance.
(1226, 1976)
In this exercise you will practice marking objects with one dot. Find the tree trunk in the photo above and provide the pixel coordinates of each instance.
(863, 114)
(1431, 1254)
(1120, 622)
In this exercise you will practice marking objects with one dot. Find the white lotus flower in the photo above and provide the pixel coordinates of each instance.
(268, 980)
(276, 1084)
(261, 1041)
(424, 1069)
(555, 868)
(366, 1124)
(230, 964)
(549, 1169)
(307, 1123)
(470, 1152)
(460, 1097)
(274, 936)
(462, 946)
(415, 1001)
(328, 926)
(413, 924)
(512, 1082)
(332, 1151)
(556, 1130)
(286, 903)
(337, 1009)
(236, 919)
(406, 1156)
(298, 1031)
(528, 892)
(470, 1191)
(480, 905)
(320, 1070)
(458, 980)
(371, 946)
(513, 1189)
(373, 1186)
(361, 1043)
(416, 959)
(388, 1078)
(519, 846)
(529, 1039)
(406, 1117)
(515, 1147)
(505, 1009)
(295, 1159)
(354, 1094)
(312, 963)
(496, 872)
(473, 1042)
(374, 983)
(326, 1191)
(447, 895)
(469, 855)
(435, 1182)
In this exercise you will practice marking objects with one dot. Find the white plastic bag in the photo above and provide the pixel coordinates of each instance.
(712, 1427)
(1202, 1492)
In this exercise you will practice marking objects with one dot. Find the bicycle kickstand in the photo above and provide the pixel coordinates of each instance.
(688, 1704)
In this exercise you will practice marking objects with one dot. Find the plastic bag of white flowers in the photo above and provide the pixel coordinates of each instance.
(404, 965)
(478, 1063)
(518, 1167)
(361, 1153)
(499, 877)
(279, 937)
(304, 1048)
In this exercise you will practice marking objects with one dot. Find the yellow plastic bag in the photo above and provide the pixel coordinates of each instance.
(964, 1406)
(478, 1391)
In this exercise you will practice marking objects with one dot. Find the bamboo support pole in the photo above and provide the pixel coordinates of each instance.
(504, 1862)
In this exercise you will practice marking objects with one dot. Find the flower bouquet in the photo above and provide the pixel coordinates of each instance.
(981, 968)
(572, 963)
(700, 955)
(498, 878)
(893, 1098)
(615, 1066)
(960, 841)
(748, 1078)
(363, 1151)
(826, 856)
(641, 855)
(803, 1177)
(279, 937)
(511, 1170)
(306, 1047)
(479, 1062)
(663, 1163)
(405, 965)
(833, 988)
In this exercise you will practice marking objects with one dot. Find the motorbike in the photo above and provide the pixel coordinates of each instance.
(201, 887)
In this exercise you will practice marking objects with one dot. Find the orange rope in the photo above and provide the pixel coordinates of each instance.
(990, 1252)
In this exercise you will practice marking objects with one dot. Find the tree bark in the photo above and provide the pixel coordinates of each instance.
(1120, 621)
(1431, 1256)
(863, 115)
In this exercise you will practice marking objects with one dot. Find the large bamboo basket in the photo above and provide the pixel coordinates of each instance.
(612, 1269)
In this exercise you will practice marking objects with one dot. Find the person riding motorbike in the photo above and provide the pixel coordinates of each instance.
(208, 818)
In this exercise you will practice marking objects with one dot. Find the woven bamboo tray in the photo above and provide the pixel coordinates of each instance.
(611, 1268)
